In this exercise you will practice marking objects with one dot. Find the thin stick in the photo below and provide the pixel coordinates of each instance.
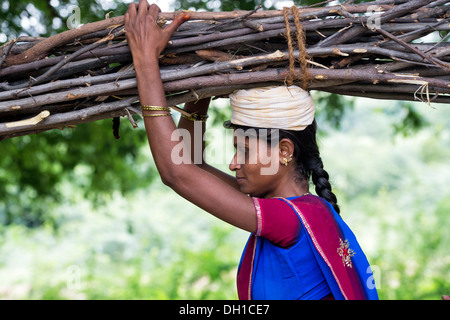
(424, 56)
(6, 51)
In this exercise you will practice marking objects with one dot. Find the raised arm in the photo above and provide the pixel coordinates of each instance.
(146, 41)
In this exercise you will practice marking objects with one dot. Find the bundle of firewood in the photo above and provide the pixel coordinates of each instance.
(387, 49)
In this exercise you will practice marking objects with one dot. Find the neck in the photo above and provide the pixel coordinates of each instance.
(288, 187)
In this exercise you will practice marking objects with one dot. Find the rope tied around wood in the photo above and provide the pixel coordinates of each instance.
(303, 55)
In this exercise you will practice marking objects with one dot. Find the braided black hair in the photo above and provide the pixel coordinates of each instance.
(309, 163)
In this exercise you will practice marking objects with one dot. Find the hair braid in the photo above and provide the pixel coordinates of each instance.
(309, 163)
(320, 179)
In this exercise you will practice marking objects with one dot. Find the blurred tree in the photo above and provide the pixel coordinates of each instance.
(33, 167)
(48, 17)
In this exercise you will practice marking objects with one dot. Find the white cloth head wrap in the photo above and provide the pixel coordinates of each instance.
(275, 107)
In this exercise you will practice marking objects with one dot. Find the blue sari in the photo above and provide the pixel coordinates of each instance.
(331, 259)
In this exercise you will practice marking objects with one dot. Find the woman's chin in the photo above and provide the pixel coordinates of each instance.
(246, 190)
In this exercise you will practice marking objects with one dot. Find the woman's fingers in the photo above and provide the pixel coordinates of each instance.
(142, 29)
(143, 8)
(177, 21)
(132, 11)
(154, 10)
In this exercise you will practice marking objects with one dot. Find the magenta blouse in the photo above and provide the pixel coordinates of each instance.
(278, 261)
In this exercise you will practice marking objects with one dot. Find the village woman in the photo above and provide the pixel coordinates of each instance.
(299, 247)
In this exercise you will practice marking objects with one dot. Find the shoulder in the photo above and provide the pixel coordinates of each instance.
(311, 204)
(312, 201)
(315, 211)
(277, 221)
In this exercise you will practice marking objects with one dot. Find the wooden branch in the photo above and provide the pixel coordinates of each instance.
(7, 48)
(59, 120)
(87, 74)
(357, 30)
(29, 122)
(32, 103)
(434, 61)
(41, 49)
(61, 84)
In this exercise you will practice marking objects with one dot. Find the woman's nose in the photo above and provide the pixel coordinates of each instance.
(234, 165)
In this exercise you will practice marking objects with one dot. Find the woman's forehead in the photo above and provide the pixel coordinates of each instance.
(243, 139)
(246, 134)
(248, 140)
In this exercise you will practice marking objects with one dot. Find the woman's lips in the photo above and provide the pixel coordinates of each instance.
(239, 179)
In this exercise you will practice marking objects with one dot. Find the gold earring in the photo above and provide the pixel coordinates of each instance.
(285, 161)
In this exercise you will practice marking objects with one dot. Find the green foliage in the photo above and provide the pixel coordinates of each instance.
(411, 121)
(48, 18)
(332, 107)
(165, 249)
(393, 192)
(32, 167)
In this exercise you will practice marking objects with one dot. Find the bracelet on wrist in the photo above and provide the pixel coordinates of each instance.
(190, 116)
(155, 114)
(154, 108)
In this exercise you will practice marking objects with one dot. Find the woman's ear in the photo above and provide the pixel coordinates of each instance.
(286, 148)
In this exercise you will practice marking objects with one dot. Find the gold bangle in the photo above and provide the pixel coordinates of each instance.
(154, 108)
(196, 117)
(155, 114)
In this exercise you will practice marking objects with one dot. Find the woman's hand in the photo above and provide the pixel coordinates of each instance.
(145, 38)
(146, 41)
